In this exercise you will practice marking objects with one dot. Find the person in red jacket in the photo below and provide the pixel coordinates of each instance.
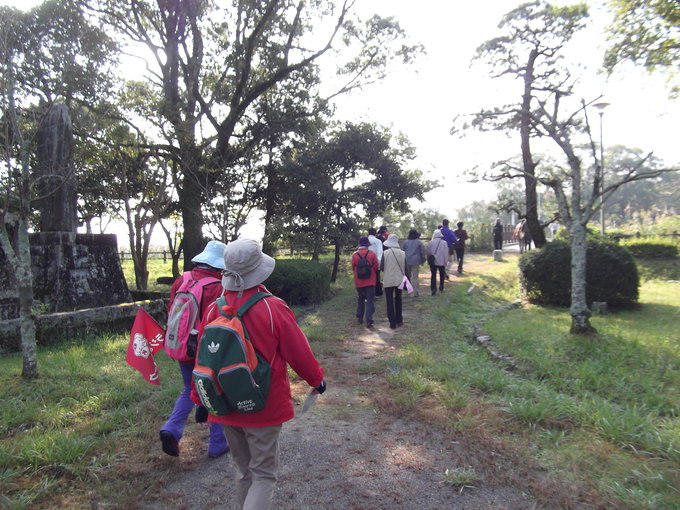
(208, 263)
(365, 286)
(274, 333)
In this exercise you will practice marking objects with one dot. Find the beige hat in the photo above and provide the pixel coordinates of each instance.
(392, 241)
(437, 233)
(245, 265)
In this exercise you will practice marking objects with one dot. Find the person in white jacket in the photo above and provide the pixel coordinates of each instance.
(394, 266)
(376, 246)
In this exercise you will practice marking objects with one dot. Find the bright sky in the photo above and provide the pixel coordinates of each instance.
(422, 101)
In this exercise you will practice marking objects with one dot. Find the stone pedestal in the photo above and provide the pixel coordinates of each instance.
(70, 272)
(498, 255)
(75, 271)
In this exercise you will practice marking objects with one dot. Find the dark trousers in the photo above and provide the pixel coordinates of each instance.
(393, 300)
(365, 297)
(497, 243)
(378, 284)
(433, 280)
(460, 253)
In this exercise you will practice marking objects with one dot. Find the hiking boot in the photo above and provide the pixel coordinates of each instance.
(218, 454)
(169, 444)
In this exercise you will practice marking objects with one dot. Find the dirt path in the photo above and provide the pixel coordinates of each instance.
(346, 453)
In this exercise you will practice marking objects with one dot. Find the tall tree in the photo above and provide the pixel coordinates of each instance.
(529, 51)
(647, 33)
(51, 53)
(348, 174)
(212, 62)
(580, 194)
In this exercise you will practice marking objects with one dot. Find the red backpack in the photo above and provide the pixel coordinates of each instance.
(181, 335)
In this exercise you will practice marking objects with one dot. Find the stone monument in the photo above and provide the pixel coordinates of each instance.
(71, 271)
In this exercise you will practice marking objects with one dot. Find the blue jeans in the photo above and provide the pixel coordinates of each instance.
(365, 300)
(182, 409)
(393, 300)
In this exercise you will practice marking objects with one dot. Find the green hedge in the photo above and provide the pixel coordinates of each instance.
(300, 282)
(655, 248)
(611, 274)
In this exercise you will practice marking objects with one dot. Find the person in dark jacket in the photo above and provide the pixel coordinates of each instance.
(459, 246)
(498, 235)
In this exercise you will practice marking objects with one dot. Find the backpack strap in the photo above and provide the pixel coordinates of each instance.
(222, 301)
(251, 301)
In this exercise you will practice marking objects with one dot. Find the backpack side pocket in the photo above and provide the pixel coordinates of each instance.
(209, 391)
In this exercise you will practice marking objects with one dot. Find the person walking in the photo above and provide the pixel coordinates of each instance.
(414, 251)
(275, 335)
(462, 236)
(498, 235)
(365, 285)
(451, 240)
(437, 257)
(207, 264)
(376, 247)
(394, 265)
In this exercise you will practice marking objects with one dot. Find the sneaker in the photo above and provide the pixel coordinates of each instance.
(169, 444)
(400, 323)
(393, 326)
(369, 324)
(360, 320)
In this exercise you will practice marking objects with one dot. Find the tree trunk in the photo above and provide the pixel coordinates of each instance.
(24, 277)
(336, 261)
(191, 200)
(580, 314)
(537, 234)
(269, 204)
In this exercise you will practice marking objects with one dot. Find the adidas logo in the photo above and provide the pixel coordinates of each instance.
(213, 347)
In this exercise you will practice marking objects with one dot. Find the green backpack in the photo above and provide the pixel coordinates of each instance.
(229, 374)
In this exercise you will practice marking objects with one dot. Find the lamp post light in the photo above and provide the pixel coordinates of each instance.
(600, 107)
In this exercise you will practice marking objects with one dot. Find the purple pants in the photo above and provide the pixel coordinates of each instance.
(181, 411)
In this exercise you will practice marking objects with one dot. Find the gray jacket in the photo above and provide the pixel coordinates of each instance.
(415, 252)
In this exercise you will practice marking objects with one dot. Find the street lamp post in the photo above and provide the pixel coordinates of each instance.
(600, 107)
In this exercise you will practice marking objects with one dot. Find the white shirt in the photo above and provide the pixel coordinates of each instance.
(376, 246)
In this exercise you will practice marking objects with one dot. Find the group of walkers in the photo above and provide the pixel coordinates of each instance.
(381, 265)
(520, 233)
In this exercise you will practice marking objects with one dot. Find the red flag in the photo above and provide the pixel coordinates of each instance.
(146, 338)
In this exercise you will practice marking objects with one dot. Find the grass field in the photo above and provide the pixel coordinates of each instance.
(600, 411)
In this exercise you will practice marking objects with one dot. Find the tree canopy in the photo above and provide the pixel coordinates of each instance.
(646, 33)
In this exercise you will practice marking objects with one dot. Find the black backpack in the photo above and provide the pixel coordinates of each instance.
(363, 267)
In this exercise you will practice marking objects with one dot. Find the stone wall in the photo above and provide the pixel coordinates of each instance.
(56, 327)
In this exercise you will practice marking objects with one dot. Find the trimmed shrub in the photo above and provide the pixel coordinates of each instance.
(651, 248)
(611, 274)
(300, 282)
